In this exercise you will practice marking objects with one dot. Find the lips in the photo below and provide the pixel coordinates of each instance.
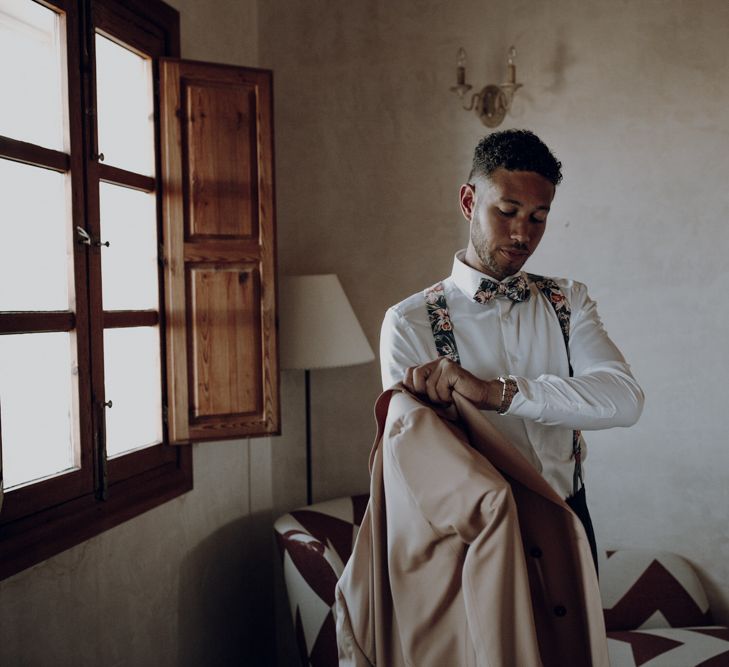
(514, 255)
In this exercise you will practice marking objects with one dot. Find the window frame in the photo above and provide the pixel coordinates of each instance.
(44, 518)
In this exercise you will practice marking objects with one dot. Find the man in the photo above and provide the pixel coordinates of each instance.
(531, 351)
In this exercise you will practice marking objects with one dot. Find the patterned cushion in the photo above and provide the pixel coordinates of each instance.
(650, 589)
(670, 647)
(653, 603)
(315, 542)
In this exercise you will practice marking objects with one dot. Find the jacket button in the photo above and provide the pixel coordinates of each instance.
(560, 611)
(536, 552)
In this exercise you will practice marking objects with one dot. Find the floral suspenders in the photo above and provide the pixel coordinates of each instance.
(445, 340)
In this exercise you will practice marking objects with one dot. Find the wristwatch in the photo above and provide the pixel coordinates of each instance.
(508, 392)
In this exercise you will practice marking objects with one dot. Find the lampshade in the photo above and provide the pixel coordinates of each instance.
(318, 328)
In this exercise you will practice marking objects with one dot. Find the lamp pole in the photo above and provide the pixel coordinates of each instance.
(307, 385)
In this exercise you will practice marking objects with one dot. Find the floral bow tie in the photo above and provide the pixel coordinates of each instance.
(516, 289)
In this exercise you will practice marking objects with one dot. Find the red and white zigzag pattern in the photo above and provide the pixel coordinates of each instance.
(670, 647)
(657, 613)
(316, 542)
(648, 589)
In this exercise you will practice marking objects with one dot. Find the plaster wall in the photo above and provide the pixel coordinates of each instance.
(188, 583)
(632, 96)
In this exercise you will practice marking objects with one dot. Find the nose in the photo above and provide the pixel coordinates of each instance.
(519, 231)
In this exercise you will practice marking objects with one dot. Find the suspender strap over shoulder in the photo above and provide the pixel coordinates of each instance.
(550, 289)
(440, 323)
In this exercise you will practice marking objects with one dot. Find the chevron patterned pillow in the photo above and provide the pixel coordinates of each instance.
(649, 589)
(315, 543)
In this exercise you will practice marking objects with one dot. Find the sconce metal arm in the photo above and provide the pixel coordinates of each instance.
(475, 98)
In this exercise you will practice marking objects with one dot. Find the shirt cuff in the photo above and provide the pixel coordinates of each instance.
(523, 404)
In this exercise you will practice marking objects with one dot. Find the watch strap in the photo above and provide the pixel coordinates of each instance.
(509, 390)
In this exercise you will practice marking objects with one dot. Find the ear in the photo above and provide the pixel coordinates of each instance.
(467, 199)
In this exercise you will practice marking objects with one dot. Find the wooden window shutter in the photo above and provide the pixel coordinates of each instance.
(219, 251)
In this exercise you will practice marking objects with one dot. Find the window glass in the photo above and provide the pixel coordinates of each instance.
(35, 247)
(31, 74)
(133, 385)
(125, 108)
(37, 394)
(129, 263)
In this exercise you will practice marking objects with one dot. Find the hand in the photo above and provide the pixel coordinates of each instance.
(438, 379)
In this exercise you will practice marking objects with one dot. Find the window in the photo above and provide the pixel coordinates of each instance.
(137, 284)
(82, 387)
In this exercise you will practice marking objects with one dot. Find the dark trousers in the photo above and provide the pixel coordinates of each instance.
(578, 503)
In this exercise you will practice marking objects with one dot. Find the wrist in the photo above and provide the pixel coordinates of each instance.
(492, 391)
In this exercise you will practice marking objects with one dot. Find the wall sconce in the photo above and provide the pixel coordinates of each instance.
(493, 102)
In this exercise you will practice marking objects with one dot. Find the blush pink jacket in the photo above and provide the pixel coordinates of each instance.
(465, 556)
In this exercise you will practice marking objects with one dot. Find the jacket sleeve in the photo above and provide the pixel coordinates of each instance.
(349, 652)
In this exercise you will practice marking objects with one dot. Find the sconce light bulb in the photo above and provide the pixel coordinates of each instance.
(461, 67)
(511, 66)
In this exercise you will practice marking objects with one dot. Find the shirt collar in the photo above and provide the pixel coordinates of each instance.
(468, 279)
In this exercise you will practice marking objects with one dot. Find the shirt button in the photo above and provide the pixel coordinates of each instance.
(560, 611)
(535, 552)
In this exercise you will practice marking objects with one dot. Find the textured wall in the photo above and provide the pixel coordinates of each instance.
(188, 583)
(632, 96)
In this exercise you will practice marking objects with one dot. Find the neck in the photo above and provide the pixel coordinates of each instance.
(472, 259)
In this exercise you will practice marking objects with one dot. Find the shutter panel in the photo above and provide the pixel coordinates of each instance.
(219, 251)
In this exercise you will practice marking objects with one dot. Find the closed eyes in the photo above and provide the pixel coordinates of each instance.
(510, 213)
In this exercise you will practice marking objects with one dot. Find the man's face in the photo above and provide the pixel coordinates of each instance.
(508, 213)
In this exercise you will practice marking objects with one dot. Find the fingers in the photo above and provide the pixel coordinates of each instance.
(408, 379)
(415, 379)
(421, 378)
(444, 385)
(433, 380)
(431, 385)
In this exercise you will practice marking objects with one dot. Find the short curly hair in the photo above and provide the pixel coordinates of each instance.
(515, 150)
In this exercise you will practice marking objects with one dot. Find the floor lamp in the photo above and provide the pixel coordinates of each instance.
(318, 330)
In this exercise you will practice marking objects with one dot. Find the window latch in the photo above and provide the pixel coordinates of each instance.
(85, 239)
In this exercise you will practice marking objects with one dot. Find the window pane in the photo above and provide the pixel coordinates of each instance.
(129, 265)
(31, 78)
(134, 385)
(124, 107)
(37, 404)
(35, 249)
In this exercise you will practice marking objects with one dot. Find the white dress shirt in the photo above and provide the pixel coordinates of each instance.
(524, 340)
